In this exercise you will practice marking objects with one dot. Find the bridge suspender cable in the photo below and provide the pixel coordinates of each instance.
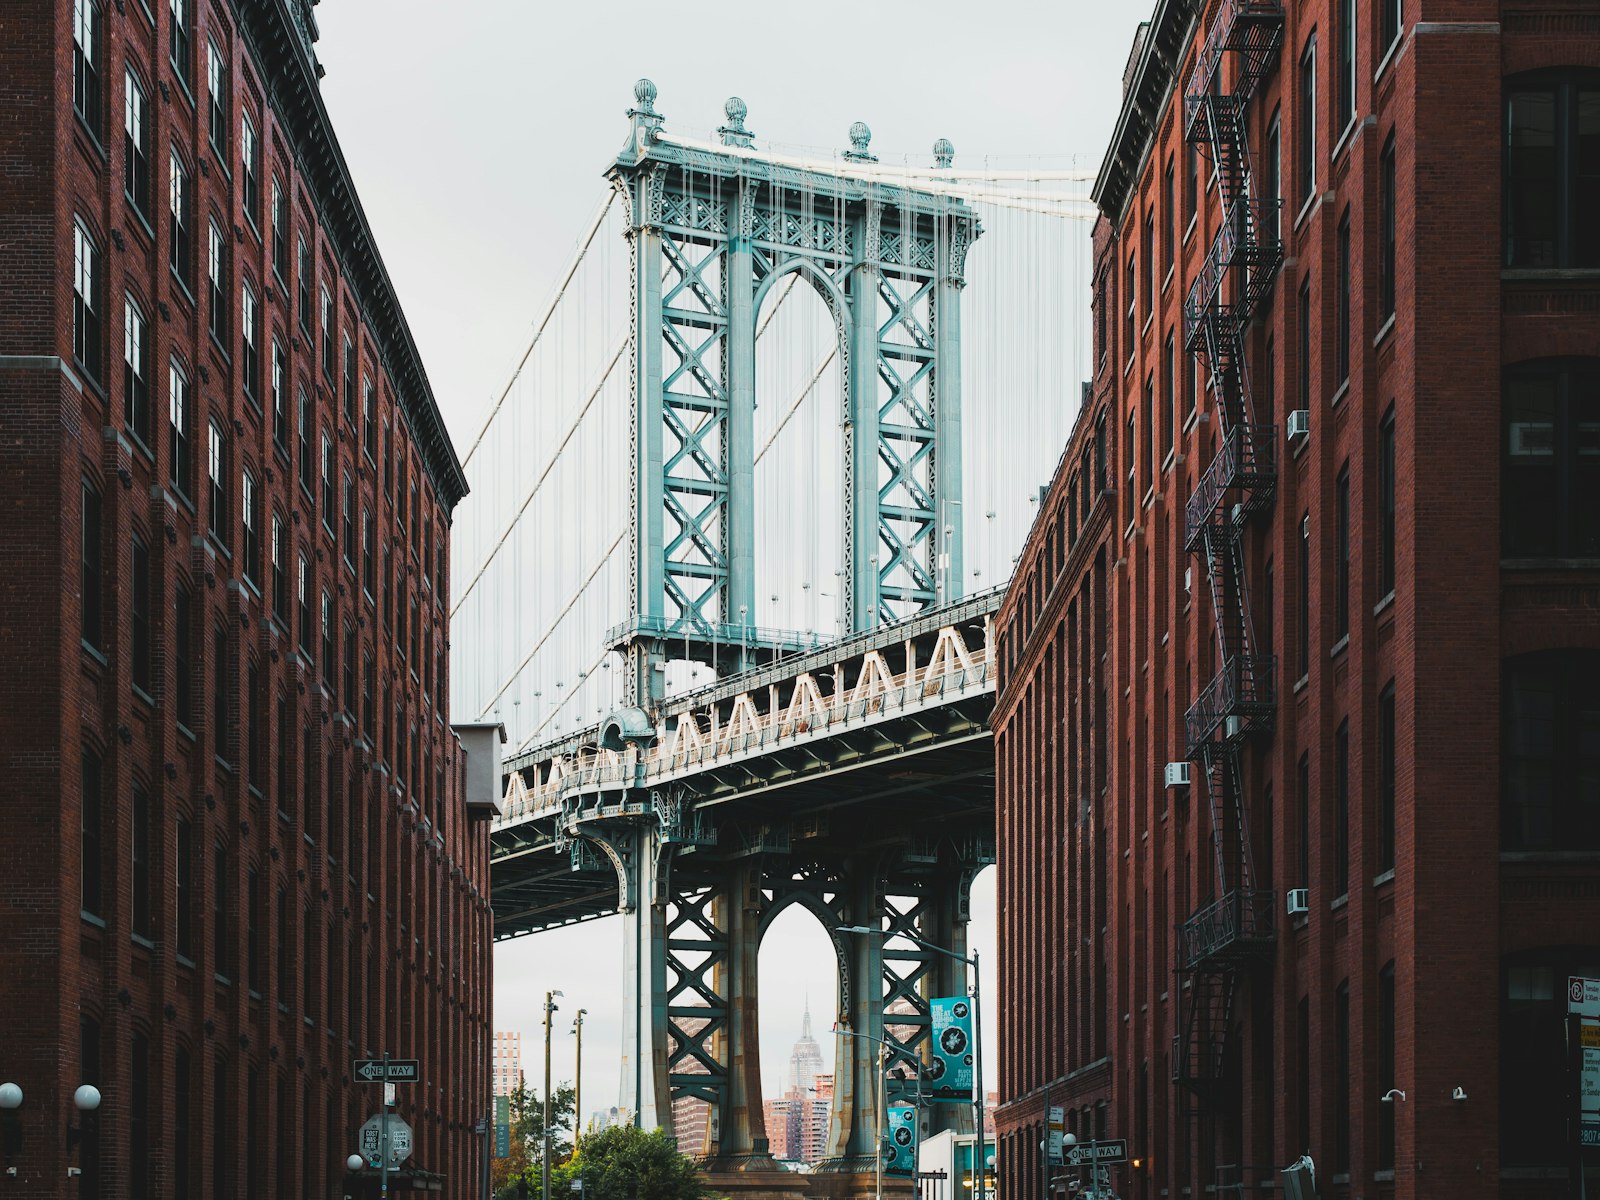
(798, 400)
(544, 321)
(550, 716)
(576, 596)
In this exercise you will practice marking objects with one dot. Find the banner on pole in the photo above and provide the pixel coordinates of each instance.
(900, 1154)
(949, 1070)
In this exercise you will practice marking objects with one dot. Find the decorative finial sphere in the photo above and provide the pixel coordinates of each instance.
(644, 93)
(736, 110)
(860, 136)
(944, 152)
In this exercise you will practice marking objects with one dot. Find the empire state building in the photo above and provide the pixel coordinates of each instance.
(805, 1062)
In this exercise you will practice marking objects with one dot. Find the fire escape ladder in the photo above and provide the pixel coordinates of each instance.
(1220, 940)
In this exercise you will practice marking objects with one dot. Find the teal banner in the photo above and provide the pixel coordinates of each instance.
(900, 1154)
(949, 1070)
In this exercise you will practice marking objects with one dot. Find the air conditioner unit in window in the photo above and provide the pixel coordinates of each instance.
(1234, 727)
(1299, 422)
(1299, 901)
(1177, 774)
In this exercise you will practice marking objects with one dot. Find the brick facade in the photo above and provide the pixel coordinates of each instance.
(1439, 933)
(237, 851)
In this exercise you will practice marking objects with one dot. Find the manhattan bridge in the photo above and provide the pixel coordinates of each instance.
(740, 524)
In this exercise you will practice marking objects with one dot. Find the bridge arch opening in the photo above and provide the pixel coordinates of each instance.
(799, 455)
(798, 981)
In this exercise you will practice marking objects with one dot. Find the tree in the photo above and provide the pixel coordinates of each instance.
(523, 1164)
(627, 1163)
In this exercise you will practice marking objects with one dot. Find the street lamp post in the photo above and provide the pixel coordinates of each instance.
(980, 1163)
(881, 1086)
(550, 1008)
(577, 1079)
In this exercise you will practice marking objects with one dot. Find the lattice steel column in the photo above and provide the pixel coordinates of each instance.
(853, 1131)
(953, 242)
(740, 376)
(742, 1135)
(861, 428)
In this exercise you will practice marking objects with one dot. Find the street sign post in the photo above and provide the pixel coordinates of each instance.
(1097, 1152)
(1058, 1129)
(1583, 1011)
(378, 1070)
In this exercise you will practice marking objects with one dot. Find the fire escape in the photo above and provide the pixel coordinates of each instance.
(1218, 943)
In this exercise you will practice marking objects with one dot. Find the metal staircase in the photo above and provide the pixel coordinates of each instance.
(1221, 940)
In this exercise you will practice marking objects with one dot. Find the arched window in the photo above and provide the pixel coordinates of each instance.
(1550, 491)
(1550, 751)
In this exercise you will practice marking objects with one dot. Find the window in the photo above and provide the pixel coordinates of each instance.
(1341, 810)
(285, 763)
(1342, 329)
(1269, 614)
(250, 345)
(328, 515)
(1305, 342)
(1130, 458)
(1347, 66)
(303, 433)
(135, 145)
(328, 665)
(138, 1116)
(1303, 600)
(252, 930)
(1150, 443)
(181, 42)
(368, 688)
(280, 400)
(327, 333)
(1341, 611)
(280, 233)
(1535, 1069)
(249, 170)
(1386, 529)
(140, 861)
(1169, 397)
(280, 570)
(348, 691)
(1268, 414)
(178, 435)
(1552, 169)
(217, 89)
(303, 601)
(1550, 751)
(1191, 180)
(250, 526)
(90, 554)
(219, 694)
(139, 616)
(308, 988)
(303, 253)
(1133, 288)
(182, 682)
(1306, 147)
(1169, 209)
(87, 276)
(217, 278)
(1386, 778)
(1149, 251)
(89, 837)
(87, 56)
(217, 468)
(1550, 490)
(1273, 178)
(349, 517)
(281, 988)
(368, 433)
(185, 880)
(366, 552)
(179, 253)
(221, 1102)
(135, 370)
(1341, 1079)
(349, 380)
(219, 912)
(1386, 234)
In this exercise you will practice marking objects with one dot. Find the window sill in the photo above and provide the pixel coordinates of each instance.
(143, 942)
(90, 918)
(1339, 901)
(1149, 320)
(1389, 56)
(140, 694)
(1381, 605)
(1188, 230)
(1339, 647)
(1549, 274)
(1386, 878)
(1549, 857)
(1345, 138)
(1305, 209)
(1127, 367)
(181, 78)
(1547, 564)
(219, 977)
(93, 653)
(140, 221)
(94, 138)
(1384, 331)
(186, 731)
(183, 285)
(1339, 393)
(1300, 684)
(1166, 282)
(185, 961)
(226, 766)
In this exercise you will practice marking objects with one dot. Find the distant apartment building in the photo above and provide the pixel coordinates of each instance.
(505, 1069)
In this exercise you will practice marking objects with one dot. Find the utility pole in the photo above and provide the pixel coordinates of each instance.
(544, 1157)
(577, 1081)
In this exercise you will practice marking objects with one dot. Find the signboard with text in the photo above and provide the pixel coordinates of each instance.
(949, 1070)
(1097, 1152)
(900, 1153)
(375, 1070)
(1058, 1129)
(1589, 1081)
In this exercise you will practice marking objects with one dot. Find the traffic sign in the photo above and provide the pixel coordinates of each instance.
(370, 1139)
(1058, 1129)
(401, 1070)
(1583, 996)
(1097, 1152)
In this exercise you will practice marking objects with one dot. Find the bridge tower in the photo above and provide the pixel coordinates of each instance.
(711, 229)
(1219, 943)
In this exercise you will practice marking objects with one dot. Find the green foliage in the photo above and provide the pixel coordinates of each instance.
(626, 1163)
(525, 1163)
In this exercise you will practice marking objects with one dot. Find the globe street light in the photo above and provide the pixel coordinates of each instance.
(354, 1163)
(10, 1124)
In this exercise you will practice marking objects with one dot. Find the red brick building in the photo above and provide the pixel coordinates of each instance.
(1327, 531)
(238, 850)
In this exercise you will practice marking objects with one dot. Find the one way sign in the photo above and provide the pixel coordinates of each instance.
(374, 1070)
(1097, 1152)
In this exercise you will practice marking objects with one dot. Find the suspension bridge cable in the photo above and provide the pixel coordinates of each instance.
(563, 702)
(555, 457)
(798, 400)
(544, 321)
(576, 596)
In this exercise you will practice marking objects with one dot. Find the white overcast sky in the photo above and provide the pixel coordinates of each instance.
(477, 132)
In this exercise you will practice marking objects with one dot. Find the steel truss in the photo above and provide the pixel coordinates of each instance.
(1220, 942)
